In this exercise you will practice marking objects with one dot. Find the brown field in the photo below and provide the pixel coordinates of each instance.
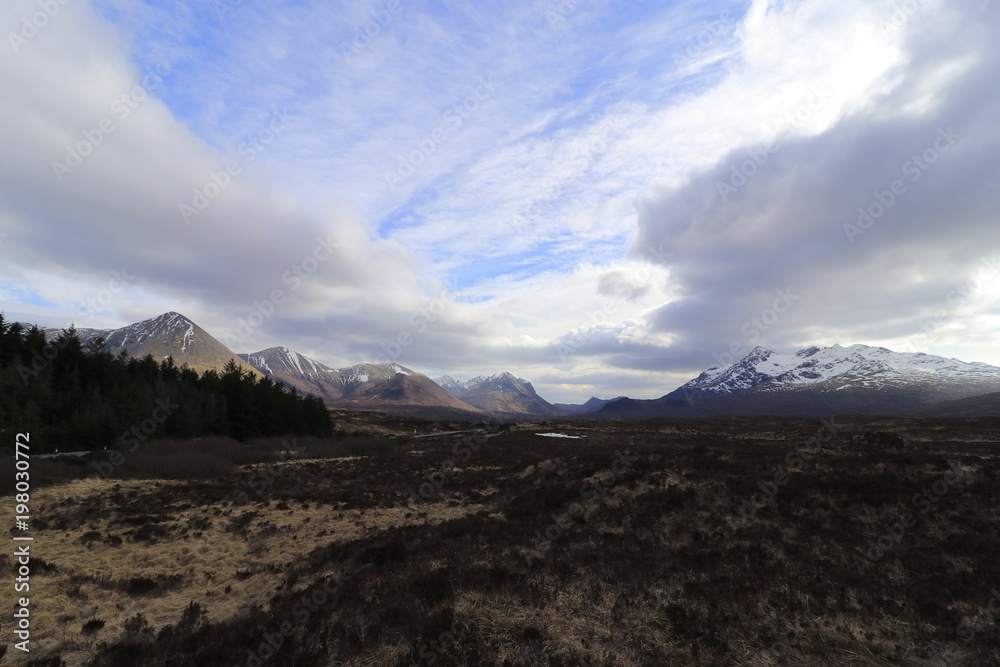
(727, 541)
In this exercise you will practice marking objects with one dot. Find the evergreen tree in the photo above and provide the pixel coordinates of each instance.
(83, 397)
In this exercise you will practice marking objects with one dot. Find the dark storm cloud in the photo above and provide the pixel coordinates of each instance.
(775, 250)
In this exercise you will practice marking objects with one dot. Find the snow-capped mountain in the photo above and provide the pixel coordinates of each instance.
(167, 335)
(460, 387)
(451, 385)
(298, 370)
(501, 393)
(387, 387)
(171, 335)
(86, 336)
(811, 382)
(821, 381)
(838, 368)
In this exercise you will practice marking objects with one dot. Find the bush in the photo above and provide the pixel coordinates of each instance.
(93, 626)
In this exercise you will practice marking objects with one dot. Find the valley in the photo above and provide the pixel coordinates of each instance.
(812, 382)
(516, 334)
(731, 540)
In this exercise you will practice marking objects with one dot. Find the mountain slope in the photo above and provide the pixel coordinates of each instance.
(451, 385)
(820, 381)
(167, 335)
(592, 405)
(503, 393)
(836, 367)
(171, 334)
(299, 371)
(383, 387)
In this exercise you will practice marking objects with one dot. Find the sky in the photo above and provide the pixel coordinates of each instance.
(606, 198)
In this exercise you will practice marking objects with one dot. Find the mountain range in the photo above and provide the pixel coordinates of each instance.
(815, 381)
(386, 387)
(167, 335)
(502, 394)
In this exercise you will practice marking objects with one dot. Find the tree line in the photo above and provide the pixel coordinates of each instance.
(75, 396)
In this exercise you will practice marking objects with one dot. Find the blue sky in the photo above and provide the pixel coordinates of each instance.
(552, 74)
(554, 173)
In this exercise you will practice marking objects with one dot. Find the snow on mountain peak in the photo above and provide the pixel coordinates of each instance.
(169, 319)
(458, 386)
(859, 364)
(188, 336)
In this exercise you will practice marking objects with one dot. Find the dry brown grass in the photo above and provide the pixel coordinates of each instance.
(87, 577)
(654, 572)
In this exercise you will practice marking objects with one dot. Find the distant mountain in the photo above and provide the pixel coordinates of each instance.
(815, 381)
(390, 387)
(387, 388)
(86, 336)
(451, 385)
(592, 405)
(836, 367)
(297, 370)
(503, 393)
(171, 334)
(820, 381)
(167, 335)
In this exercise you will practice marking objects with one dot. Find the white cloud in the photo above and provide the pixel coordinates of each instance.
(609, 132)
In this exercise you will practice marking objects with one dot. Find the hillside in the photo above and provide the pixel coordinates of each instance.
(859, 379)
(389, 388)
(168, 335)
(731, 541)
(502, 394)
